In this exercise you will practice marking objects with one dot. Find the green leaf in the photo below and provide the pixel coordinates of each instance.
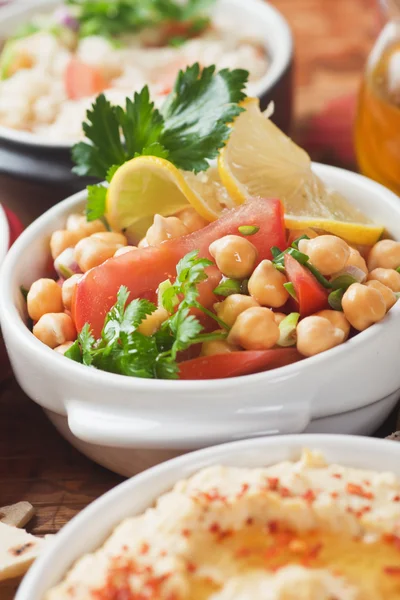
(86, 342)
(290, 288)
(295, 243)
(287, 330)
(228, 287)
(185, 327)
(335, 299)
(74, 352)
(65, 271)
(96, 202)
(197, 114)
(248, 229)
(166, 368)
(398, 269)
(111, 172)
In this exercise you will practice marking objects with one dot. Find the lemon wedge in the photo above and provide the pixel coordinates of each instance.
(260, 160)
(149, 185)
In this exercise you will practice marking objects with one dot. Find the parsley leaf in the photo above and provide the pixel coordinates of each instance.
(197, 114)
(123, 349)
(96, 202)
(190, 128)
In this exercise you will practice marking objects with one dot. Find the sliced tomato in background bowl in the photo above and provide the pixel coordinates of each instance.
(141, 271)
(311, 295)
(82, 80)
(233, 364)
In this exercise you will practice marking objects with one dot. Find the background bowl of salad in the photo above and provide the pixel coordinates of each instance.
(350, 388)
(54, 65)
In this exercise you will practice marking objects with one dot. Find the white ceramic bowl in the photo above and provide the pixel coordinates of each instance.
(36, 157)
(92, 526)
(106, 415)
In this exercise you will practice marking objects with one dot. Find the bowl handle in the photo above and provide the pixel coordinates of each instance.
(100, 427)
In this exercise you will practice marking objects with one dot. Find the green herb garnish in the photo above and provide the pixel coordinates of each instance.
(287, 329)
(398, 269)
(335, 299)
(248, 229)
(227, 287)
(122, 349)
(343, 281)
(290, 288)
(189, 129)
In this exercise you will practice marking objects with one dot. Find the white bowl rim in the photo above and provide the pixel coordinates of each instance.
(193, 461)
(4, 234)
(9, 312)
(280, 61)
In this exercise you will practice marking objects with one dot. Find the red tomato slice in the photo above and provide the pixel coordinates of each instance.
(311, 295)
(233, 364)
(143, 270)
(82, 80)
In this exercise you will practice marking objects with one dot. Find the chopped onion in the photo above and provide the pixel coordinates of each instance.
(66, 19)
(65, 264)
(287, 329)
(355, 272)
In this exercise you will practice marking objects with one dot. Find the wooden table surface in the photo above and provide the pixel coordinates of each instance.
(333, 39)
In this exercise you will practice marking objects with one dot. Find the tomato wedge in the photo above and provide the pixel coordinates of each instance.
(82, 80)
(311, 295)
(232, 364)
(143, 270)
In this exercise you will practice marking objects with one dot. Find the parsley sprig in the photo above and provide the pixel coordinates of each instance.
(189, 129)
(122, 349)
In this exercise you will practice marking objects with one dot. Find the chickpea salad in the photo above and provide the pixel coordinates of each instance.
(212, 285)
(53, 67)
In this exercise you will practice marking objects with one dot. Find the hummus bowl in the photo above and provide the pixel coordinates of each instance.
(42, 157)
(333, 468)
(117, 420)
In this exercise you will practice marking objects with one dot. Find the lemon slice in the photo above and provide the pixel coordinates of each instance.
(260, 160)
(147, 185)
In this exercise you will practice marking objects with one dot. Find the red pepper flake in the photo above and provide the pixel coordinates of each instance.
(212, 496)
(214, 528)
(334, 494)
(273, 483)
(390, 538)
(224, 534)
(285, 492)
(366, 482)
(359, 513)
(396, 498)
(163, 553)
(249, 521)
(392, 570)
(191, 567)
(144, 548)
(337, 475)
(357, 490)
(243, 490)
(309, 496)
(186, 533)
(273, 526)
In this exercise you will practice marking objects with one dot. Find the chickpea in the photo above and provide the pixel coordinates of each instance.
(337, 319)
(43, 297)
(63, 239)
(229, 309)
(153, 322)
(217, 347)
(328, 253)
(356, 260)
(192, 219)
(388, 277)
(317, 334)
(255, 329)
(387, 294)
(64, 347)
(79, 224)
(385, 254)
(266, 285)
(363, 306)
(279, 317)
(91, 252)
(234, 256)
(55, 329)
(124, 250)
(68, 289)
(165, 228)
(110, 237)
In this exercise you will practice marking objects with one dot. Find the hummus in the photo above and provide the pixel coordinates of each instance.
(300, 530)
